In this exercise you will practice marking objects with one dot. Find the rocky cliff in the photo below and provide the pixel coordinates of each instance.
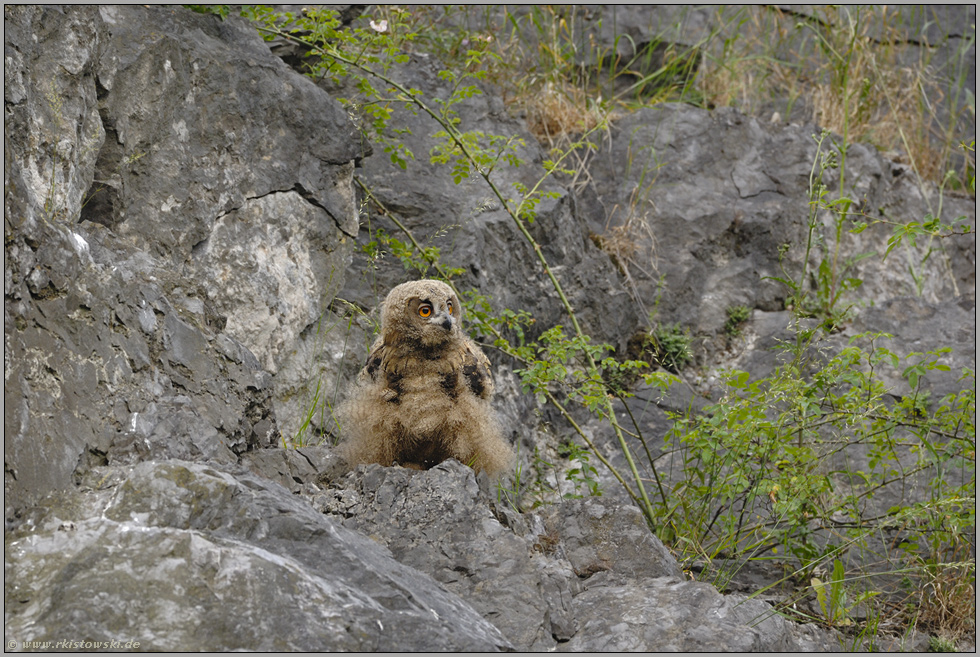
(180, 223)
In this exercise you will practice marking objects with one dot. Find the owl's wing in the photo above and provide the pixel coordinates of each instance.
(375, 373)
(476, 370)
(373, 366)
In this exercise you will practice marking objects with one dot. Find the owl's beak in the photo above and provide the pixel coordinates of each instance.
(445, 320)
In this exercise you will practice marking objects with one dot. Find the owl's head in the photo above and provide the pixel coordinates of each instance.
(425, 311)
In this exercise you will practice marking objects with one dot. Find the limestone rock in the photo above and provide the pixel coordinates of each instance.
(178, 555)
(171, 231)
(581, 575)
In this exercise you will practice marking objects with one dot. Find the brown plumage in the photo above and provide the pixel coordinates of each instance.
(424, 395)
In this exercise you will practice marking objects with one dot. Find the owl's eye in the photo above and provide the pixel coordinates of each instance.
(425, 310)
(449, 304)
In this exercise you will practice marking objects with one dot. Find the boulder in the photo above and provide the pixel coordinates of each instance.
(716, 205)
(578, 575)
(181, 556)
(172, 233)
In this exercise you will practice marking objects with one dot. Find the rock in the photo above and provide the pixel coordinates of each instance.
(50, 98)
(170, 88)
(437, 521)
(150, 302)
(176, 555)
(581, 575)
(598, 536)
(722, 232)
(666, 615)
(297, 470)
(719, 232)
(181, 237)
(263, 197)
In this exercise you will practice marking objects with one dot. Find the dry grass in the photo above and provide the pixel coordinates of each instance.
(873, 98)
(630, 242)
(745, 70)
(848, 67)
(947, 604)
(557, 110)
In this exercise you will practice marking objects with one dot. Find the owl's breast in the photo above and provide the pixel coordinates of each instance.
(414, 373)
(431, 388)
(427, 404)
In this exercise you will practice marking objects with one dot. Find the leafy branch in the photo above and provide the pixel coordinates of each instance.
(465, 150)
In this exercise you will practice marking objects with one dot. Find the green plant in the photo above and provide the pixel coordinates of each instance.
(318, 420)
(821, 293)
(542, 491)
(218, 10)
(670, 346)
(760, 474)
(584, 475)
(512, 494)
(737, 316)
(835, 601)
(942, 644)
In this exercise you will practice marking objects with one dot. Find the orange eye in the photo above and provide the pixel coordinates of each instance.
(425, 310)
(449, 304)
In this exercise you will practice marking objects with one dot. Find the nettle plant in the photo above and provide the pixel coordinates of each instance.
(771, 466)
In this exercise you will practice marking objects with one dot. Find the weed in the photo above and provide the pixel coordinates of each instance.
(942, 644)
(946, 601)
(737, 316)
(821, 293)
(853, 68)
(219, 10)
(511, 495)
(583, 476)
(835, 601)
(670, 347)
(318, 421)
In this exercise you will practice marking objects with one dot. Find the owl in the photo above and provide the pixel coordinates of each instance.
(424, 394)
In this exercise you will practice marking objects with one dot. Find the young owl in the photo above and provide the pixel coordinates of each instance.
(424, 395)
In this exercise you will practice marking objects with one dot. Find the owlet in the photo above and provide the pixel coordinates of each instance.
(424, 395)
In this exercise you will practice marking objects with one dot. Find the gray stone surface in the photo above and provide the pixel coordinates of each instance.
(438, 522)
(597, 536)
(582, 575)
(171, 231)
(665, 615)
(183, 557)
(180, 231)
(723, 195)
